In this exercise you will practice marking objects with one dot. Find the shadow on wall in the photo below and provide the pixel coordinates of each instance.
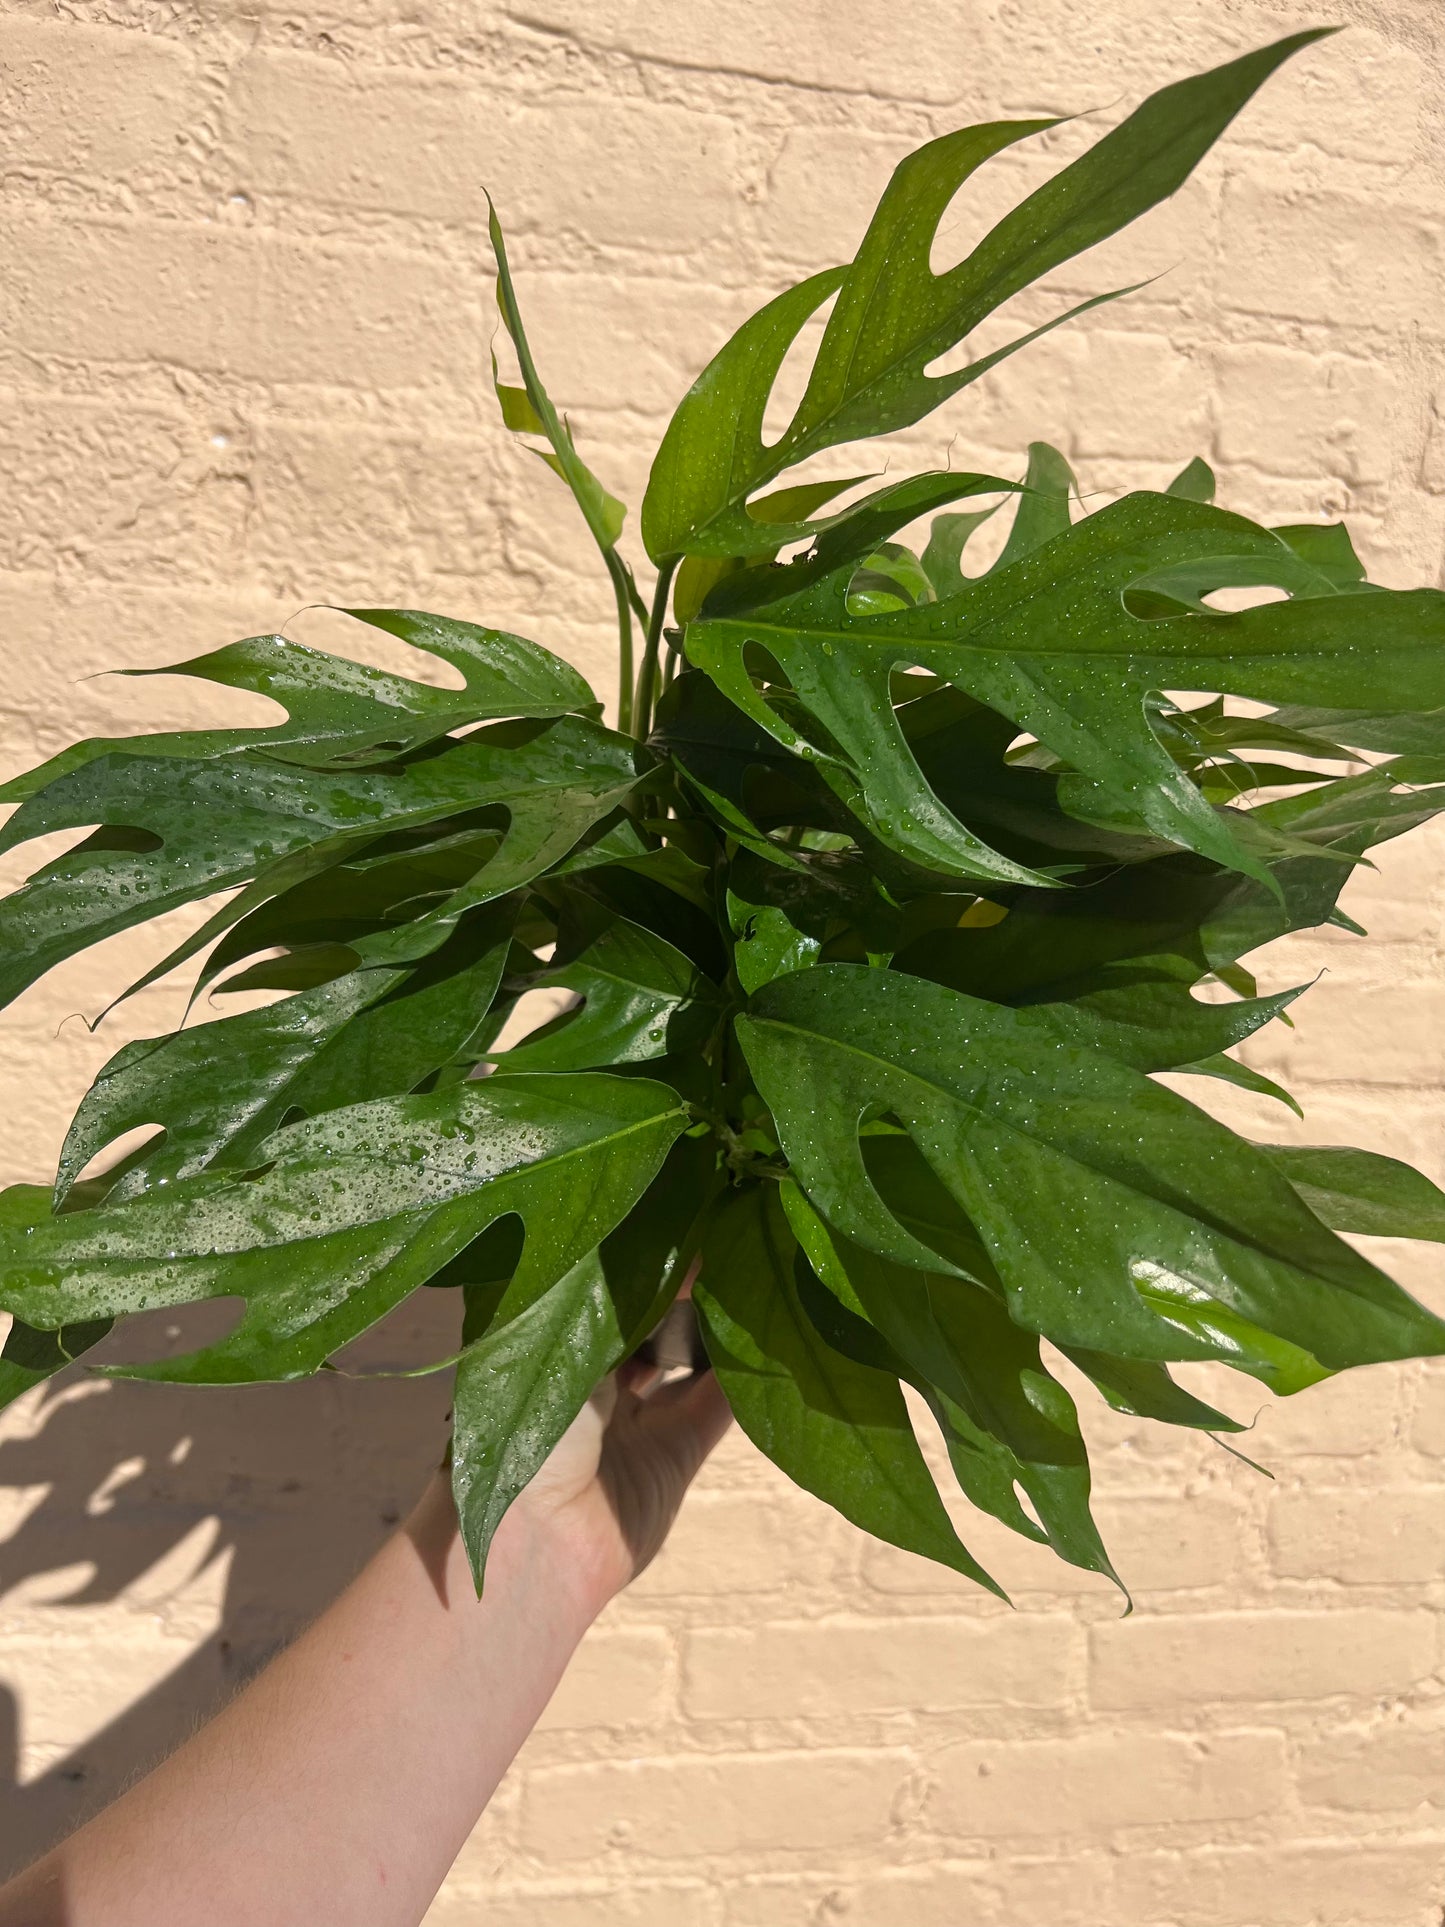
(304, 1481)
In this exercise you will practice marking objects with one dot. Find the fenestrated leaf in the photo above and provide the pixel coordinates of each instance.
(348, 1212)
(1053, 644)
(1044, 506)
(177, 830)
(837, 1428)
(1051, 946)
(327, 914)
(699, 574)
(848, 537)
(748, 782)
(1326, 546)
(1417, 732)
(1007, 1420)
(1351, 815)
(969, 859)
(708, 462)
(1149, 1019)
(894, 317)
(1362, 1192)
(221, 1088)
(1030, 815)
(1118, 1216)
(1206, 734)
(985, 1470)
(525, 1375)
(641, 998)
(949, 536)
(342, 714)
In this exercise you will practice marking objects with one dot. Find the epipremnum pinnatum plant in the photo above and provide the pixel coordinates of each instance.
(878, 911)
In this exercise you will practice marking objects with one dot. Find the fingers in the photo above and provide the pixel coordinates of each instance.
(638, 1375)
(690, 1415)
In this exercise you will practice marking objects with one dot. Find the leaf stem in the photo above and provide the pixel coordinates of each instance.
(617, 569)
(647, 675)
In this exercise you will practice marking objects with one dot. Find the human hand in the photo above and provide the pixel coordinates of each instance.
(613, 1483)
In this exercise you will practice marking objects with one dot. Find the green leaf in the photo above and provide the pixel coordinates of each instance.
(894, 316)
(342, 714)
(782, 919)
(766, 942)
(849, 537)
(1362, 1192)
(1243, 1077)
(748, 782)
(641, 998)
(1030, 815)
(905, 888)
(1044, 507)
(1195, 481)
(319, 921)
(222, 1088)
(526, 1374)
(1142, 1389)
(838, 1429)
(949, 536)
(530, 410)
(1149, 1019)
(1326, 546)
(1052, 643)
(28, 1357)
(710, 460)
(347, 1213)
(1008, 1422)
(177, 830)
(1119, 1217)
(785, 507)
(518, 414)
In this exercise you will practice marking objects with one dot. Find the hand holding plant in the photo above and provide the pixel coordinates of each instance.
(879, 911)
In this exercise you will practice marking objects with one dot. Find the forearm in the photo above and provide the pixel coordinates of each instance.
(341, 1784)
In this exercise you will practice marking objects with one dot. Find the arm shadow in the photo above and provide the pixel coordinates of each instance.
(285, 1491)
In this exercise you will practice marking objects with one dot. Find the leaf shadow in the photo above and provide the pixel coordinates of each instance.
(272, 1496)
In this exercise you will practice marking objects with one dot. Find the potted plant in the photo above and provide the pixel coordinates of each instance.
(878, 910)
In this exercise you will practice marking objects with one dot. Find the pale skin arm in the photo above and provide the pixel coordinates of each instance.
(341, 1784)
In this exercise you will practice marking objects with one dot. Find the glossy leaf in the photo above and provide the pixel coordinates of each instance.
(346, 1214)
(1362, 1192)
(178, 830)
(527, 1373)
(1052, 644)
(1008, 1422)
(529, 410)
(222, 1088)
(1163, 1235)
(29, 1357)
(641, 998)
(837, 1428)
(343, 714)
(894, 317)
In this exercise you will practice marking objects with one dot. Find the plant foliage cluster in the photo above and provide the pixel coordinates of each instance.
(877, 914)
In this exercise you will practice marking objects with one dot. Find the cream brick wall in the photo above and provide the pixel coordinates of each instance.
(243, 326)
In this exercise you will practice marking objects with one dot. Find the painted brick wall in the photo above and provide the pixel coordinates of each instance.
(244, 317)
